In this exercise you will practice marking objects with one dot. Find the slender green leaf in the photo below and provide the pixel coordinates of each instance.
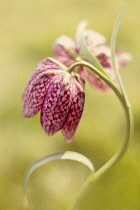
(68, 155)
(85, 51)
(113, 46)
(114, 34)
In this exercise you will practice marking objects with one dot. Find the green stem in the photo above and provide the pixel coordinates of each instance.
(93, 177)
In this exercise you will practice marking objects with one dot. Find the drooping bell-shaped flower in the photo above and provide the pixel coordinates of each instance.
(58, 95)
(66, 50)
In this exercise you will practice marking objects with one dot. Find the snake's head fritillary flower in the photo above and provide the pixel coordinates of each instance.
(58, 95)
(66, 50)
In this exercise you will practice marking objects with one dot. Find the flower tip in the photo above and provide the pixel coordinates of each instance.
(83, 23)
(68, 140)
(129, 57)
(25, 113)
(81, 27)
(123, 58)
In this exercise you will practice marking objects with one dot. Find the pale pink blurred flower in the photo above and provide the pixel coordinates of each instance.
(58, 95)
(66, 50)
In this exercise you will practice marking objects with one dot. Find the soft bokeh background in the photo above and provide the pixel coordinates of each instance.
(27, 31)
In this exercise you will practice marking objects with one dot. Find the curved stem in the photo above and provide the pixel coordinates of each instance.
(93, 177)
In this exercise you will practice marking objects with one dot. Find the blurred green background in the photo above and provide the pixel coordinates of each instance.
(27, 32)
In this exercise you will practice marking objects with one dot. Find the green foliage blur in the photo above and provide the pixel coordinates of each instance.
(28, 30)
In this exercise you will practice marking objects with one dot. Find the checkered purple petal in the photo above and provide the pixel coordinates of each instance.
(80, 80)
(32, 103)
(42, 68)
(75, 112)
(35, 90)
(57, 103)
